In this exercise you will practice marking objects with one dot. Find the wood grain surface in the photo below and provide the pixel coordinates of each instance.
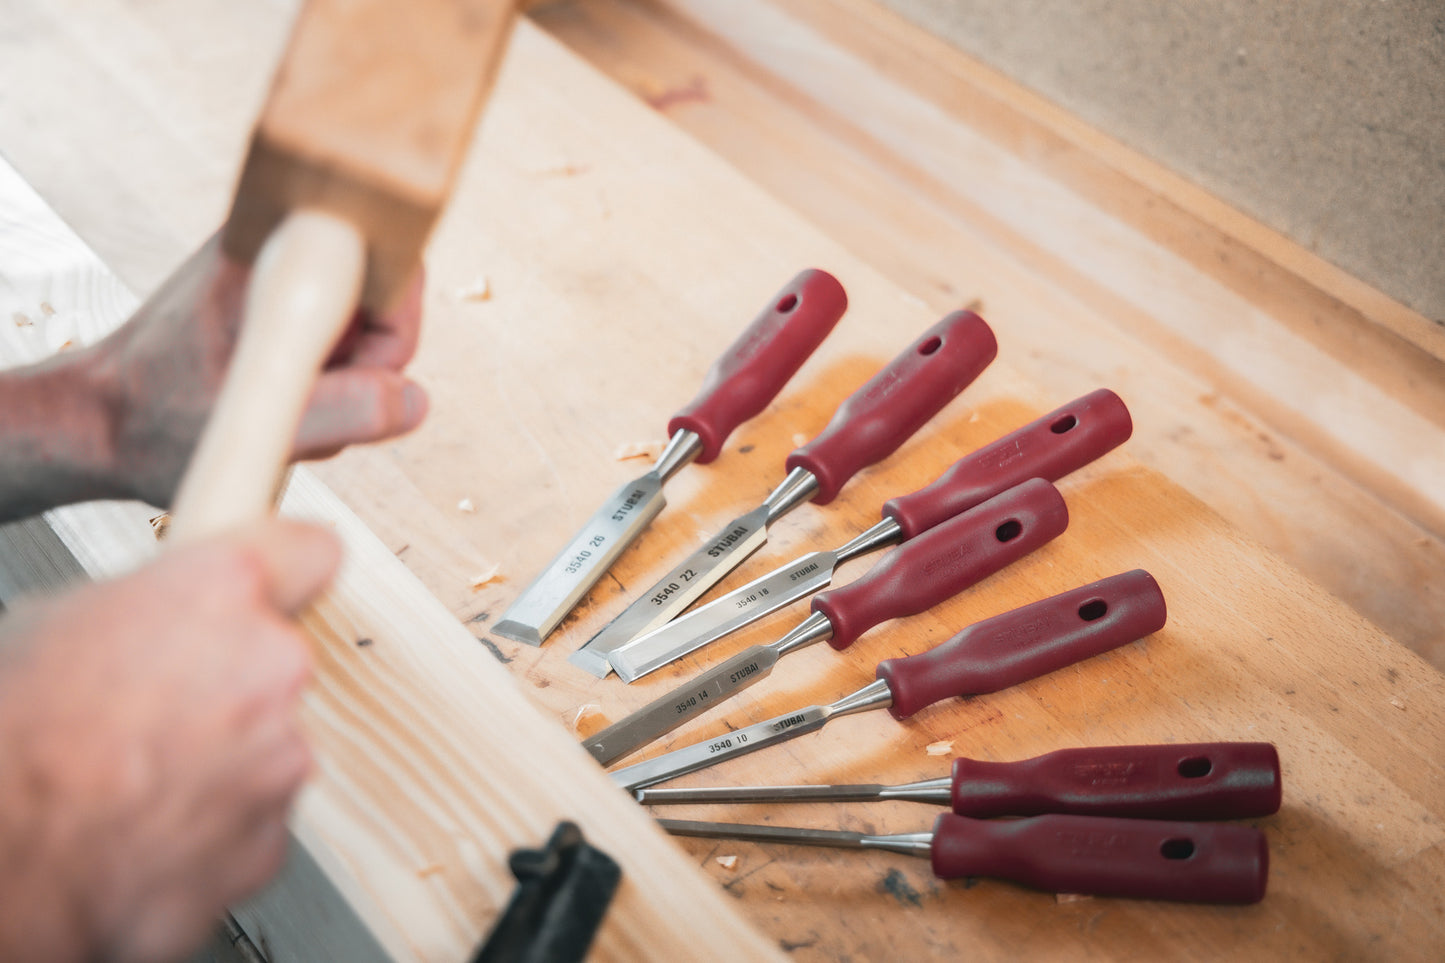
(593, 263)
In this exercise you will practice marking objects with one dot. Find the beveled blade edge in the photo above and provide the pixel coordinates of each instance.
(729, 745)
(762, 834)
(856, 792)
(678, 589)
(544, 603)
(685, 702)
(718, 618)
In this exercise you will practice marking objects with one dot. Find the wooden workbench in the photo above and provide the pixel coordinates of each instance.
(619, 256)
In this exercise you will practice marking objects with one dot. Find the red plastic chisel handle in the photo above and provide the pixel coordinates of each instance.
(742, 382)
(1101, 856)
(1060, 442)
(897, 401)
(1028, 642)
(945, 560)
(1205, 780)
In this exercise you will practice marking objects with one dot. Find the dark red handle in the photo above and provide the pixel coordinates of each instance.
(1205, 780)
(1027, 642)
(1100, 856)
(945, 560)
(742, 382)
(897, 401)
(1060, 442)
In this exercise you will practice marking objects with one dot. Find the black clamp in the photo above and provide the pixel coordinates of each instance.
(562, 894)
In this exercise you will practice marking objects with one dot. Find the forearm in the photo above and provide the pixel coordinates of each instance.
(57, 433)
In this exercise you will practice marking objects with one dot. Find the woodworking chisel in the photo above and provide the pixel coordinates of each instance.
(1050, 447)
(1086, 855)
(739, 385)
(911, 578)
(985, 657)
(868, 427)
(1202, 780)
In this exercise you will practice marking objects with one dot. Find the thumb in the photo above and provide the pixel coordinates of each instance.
(355, 405)
(298, 560)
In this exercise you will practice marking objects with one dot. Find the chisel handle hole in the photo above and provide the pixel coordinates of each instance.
(1008, 531)
(788, 303)
(1093, 610)
(1195, 767)
(1178, 848)
(1066, 423)
(931, 345)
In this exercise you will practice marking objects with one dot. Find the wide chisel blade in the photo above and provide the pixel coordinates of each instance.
(569, 576)
(676, 590)
(665, 714)
(723, 616)
(738, 743)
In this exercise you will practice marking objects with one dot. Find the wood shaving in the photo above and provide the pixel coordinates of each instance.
(22, 320)
(478, 290)
(637, 449)
(46, 309)
(727, 862)
(798, 439)
(939, 748)
(1072, 897)
(973, 418)
(1397, 704)
(584, 714)
(465, 505)
(66, 346)
(161, 525)
(486, 577)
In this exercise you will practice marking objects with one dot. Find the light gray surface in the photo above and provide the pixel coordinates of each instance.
(1324, 119)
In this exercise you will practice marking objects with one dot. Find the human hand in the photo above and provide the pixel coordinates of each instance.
(150, 745)
(166, 364)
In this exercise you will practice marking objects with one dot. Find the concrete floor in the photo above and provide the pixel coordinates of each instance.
(1324, 119)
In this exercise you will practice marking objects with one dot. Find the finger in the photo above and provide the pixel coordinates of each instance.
(388, 340)
(356, 405)
(297, 560)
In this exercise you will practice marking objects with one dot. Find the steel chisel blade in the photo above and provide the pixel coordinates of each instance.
(680, 762)
(569, 576)
(722, 616)
(676, 707)
(676, 590)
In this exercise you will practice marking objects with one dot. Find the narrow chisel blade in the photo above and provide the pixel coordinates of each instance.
(544, 603)
(676, 590)
(667, 713)
(841, 838)
(859, 792)
(720, 617)
(680, 762)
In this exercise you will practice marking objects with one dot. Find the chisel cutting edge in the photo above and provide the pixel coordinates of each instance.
(1050, 447)
(739, 385)
(868, 427)
(1093, 855)
(917, 575)
(985, 657)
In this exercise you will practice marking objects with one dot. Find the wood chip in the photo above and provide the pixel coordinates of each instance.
(486, 577)
(478, 290)
(1397, 703)
(799, 439)
(46, 309)
(727, 862)
(465, 505)
(939, 748)
(637, 449)
(1072, 897)
(161, 525)
(22, 320)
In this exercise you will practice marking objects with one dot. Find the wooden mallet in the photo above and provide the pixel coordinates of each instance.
(352, 160)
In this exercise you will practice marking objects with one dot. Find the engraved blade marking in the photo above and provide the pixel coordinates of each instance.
(693, 698)
(676, 590)
(552, 594)
(718, 618)
(730, 745)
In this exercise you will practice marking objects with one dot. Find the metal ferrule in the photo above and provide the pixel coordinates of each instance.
(682, 448)
(909, 844)
(815, 628)
(800, 486)
(882, 535)
(936, 791)
(875, 695)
